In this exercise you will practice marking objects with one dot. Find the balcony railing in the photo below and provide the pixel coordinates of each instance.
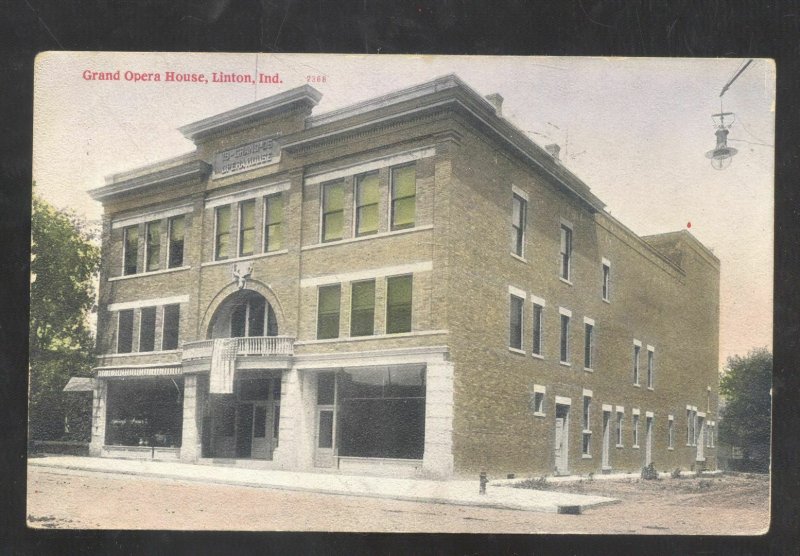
(263, 346)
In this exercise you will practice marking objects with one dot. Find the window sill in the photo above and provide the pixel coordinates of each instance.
(700, 459)
(650, 388)
(637, 385)
(538, 356)
(135, 353)
(519, 258)
(539, 414)
(515, 350)
(606, 300)
(151, 273)
(247, 258)
(566, 281)
(588, 369)
(586, 431)
(670, 448)
(366, 237)
(586, 456)
(620, 445)
(565, 363)
(373, 337)
(635, 446)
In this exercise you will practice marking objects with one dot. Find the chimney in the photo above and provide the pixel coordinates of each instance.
(497, 101)
(553, 150)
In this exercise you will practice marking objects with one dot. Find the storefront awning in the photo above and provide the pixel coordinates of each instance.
(79, 384)
(114, 372)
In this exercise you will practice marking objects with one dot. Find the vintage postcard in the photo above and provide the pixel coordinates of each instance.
(286, 292)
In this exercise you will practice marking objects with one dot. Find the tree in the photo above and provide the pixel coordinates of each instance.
(745, 421)
(64, 260)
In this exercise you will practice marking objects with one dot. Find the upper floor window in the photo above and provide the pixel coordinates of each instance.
(606, 280)
(588, 346)
(537, 329)
(247, 227)
(367, 197)
(362, 308)
(332, 211)
(566, 251)
(650, 370)
(515, 322)
(170, 334)
(404, 197)
(518, 216)
(176, 237)
(398, 304)
(222, 232)
(147, 329)
(125, 331)
(564, 352)
(637, 348)
(130, 249)
(273, 222)
(328, 311)
(152, 250)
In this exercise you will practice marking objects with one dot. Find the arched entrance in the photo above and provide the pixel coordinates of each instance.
(245, 423)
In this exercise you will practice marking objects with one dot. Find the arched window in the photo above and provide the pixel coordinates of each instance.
(244, 314)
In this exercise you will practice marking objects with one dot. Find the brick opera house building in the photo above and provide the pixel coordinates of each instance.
(407, 285)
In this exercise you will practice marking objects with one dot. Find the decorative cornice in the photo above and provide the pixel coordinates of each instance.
(195, 169)
(304, 95)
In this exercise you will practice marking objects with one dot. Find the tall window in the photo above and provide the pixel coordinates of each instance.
(130, 247)
(670, 432)
(636, 350)
(398, 304)
(152, 252)
(332, 211)
(518, 210)
(515, 324)
(588, 346)
(404, 197)
(171, 327)
(606, 282)
(328, 311)
(587, 425)
(247, 227)
(537, 329)
(222, 226)
(147, 329)
(635, 430)
(564, 338)
(362, 312)
(367, 197)
(649, 368)
(125, 331)
(273, 223)
(620, 418)
(566, 251)
(176, 237)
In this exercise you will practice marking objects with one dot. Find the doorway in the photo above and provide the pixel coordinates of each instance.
(562, 439)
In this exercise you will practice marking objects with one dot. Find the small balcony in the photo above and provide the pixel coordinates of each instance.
(279, 347)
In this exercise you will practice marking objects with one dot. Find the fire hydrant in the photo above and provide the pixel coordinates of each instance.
(483, 480)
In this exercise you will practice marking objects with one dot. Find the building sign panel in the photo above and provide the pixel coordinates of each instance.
(246, 157)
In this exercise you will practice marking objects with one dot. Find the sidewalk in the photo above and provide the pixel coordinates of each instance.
(464, 493)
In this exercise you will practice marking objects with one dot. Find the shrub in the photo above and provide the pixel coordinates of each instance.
(649, 473)
(676, 474)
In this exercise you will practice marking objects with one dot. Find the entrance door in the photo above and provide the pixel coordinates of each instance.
(701, 430)
(562, 439)
(244, 430)
(323, 456)
(261, 445)
(648, 442)
(606, 438)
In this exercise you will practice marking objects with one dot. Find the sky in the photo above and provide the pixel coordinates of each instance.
(636, 130)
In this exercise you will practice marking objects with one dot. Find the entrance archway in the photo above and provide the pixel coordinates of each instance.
(244, 313)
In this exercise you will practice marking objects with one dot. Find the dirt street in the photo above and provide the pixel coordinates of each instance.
(86, 500)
